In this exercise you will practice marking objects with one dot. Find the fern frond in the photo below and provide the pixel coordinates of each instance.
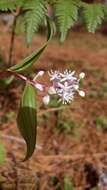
(34, 16)
(66, 13)
(7, 4)
(10, 4)
(93, 15)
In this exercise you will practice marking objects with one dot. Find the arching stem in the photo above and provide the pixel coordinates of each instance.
(8, 73)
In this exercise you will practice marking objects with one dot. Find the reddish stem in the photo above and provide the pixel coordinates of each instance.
(17, 75)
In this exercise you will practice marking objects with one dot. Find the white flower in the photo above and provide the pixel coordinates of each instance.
(76, 87)
(38, 85)
(81, 75)
(65, 92)
(52, 90)
(54, 75)
(66, 97)
(65, 85)
(81, 93)
(46, 99)
(68, 75)
(40, 73)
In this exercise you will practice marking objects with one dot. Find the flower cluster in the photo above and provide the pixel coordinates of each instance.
(65, 85)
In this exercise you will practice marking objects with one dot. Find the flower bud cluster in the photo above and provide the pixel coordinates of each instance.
(64, 85)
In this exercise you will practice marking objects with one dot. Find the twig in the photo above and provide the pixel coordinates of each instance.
(12, 41)
(52, 110)
(15, 14)
(70, 157)
(8, 73)
(18, 140)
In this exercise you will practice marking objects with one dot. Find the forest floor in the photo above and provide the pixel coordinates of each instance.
(71, 141)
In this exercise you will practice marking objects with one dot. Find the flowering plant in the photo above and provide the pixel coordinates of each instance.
(64, 85)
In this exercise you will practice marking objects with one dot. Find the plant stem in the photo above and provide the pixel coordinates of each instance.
(12, 41)
(17, 75)
(43, 112)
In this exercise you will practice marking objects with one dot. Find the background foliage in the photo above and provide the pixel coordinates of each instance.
(65, 13)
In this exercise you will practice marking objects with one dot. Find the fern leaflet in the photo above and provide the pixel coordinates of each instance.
(93, 15)
(34, 16)
(10, 4)
(66, 13)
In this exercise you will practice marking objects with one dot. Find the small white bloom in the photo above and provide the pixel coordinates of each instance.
(81, 75)
(76, 87)
(54, 75)
(81, 93)
(65, 85)
(39, 86)
(52, 90)
(68, 75)
(46, 99)
(66, 97)
(41, 73)
(65, 92)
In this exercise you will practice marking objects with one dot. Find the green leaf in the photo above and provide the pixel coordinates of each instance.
(34, 16)
(28, 61)
(2, 153)
(67, 184)
(27, 119)
(31, 59)
(10, 4)
(66, 13)
(7, 4)
(93, 14)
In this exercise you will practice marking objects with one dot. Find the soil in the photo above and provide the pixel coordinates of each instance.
(78, 152)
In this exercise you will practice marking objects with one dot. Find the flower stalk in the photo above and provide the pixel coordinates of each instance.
(64, 85)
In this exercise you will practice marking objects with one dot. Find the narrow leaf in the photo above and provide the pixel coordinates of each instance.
(28, 61)
(31, 59)
(27, 120)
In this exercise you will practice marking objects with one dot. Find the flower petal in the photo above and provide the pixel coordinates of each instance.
(46, 99)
